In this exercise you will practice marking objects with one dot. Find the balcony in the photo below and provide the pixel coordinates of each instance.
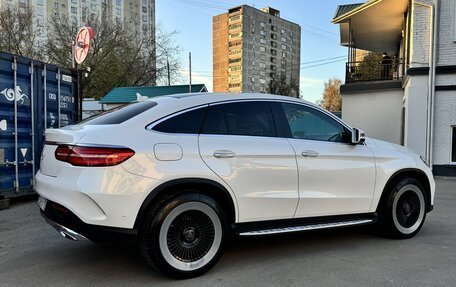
(364, 71)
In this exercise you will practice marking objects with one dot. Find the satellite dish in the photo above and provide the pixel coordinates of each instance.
(81, 48)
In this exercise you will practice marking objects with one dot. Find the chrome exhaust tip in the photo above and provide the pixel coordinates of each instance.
(66, 232)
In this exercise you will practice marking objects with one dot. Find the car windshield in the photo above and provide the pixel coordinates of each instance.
(119, 114)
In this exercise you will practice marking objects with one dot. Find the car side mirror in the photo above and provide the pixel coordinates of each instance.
(357, 136)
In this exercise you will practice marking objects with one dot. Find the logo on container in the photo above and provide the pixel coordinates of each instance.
(9, 94)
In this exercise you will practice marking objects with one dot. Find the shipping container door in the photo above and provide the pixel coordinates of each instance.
(16, 130)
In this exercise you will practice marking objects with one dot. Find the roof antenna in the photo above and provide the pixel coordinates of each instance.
(141, 98)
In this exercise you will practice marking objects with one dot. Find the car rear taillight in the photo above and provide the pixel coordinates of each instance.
(92, 156)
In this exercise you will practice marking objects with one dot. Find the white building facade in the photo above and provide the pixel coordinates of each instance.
(409, 95)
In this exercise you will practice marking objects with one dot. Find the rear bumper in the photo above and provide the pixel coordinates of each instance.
(71, 227)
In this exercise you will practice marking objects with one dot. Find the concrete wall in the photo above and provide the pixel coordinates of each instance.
(378, 113)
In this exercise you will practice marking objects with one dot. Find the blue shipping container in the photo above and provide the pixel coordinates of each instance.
(46, 97)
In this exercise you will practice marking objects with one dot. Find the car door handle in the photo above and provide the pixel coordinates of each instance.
(224, 154)
(309, 153)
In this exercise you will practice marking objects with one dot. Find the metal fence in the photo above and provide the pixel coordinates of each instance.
(373, 71)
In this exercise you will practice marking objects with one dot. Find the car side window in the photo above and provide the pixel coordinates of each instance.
(311, 124)
(186, 123)
(242, 118)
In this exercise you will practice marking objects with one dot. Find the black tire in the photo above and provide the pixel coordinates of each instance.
(183, 237)
(403, 213)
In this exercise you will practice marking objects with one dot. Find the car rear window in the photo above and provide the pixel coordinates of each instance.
(186, 123)
(119, 115)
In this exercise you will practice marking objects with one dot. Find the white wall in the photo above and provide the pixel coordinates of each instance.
(378, 113)
(415, 102)
(444, 119)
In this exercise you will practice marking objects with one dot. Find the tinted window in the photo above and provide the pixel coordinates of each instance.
(308, 123)
(118, 115)
(185, 123)
(215, 121)
(246, 118)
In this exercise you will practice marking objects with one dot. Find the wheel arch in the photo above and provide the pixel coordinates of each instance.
(414, 173)
(174, 187)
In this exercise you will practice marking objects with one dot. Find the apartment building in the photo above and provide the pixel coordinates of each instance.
(251, 46)
(409, 97)
(139, 15)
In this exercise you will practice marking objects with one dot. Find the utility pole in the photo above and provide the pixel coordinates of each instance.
(167, 65)
(190, 71)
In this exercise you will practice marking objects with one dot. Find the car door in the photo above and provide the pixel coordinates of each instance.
(238, 142)
(335, 176)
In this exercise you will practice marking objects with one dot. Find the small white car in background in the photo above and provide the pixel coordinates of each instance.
(178, 175)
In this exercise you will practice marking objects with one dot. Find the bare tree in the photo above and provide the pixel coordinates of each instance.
(280, 85)
(332, 101)
(20, 32)
(117, 57)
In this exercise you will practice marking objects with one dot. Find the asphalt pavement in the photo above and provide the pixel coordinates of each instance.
(33, 254)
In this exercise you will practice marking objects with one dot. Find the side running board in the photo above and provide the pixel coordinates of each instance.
(307, 227)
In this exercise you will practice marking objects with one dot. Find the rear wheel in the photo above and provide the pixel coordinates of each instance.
(403, 215)
(184, 238)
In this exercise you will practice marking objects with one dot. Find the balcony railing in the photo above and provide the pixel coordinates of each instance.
(364, 71)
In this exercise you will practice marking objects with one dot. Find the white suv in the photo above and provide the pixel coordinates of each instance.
(179, 175)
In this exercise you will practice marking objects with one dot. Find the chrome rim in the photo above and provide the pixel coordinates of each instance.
(408, 209)
(190, 236)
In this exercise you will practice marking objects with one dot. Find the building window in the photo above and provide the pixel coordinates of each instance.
(262, 24)
(118, 2)
(74, 10)
(234, 18)
(284, 55)
(74, 1)
(273, 52)
(263, 33)
(234, 68)
(236, 35)
(262, 74)
(263, 57)
(262, 41)
(453, 145)
(282, 31)
(262, 49)
(283, 39)
(235, 85)
(236, 60)
(263, 65)
(119, 11)
(273, 44)
(235, 51)
(273, 28)
(284, 47)
(144, 9)
(274, 36)
(93, 6)
(235, 26)
(39, 11)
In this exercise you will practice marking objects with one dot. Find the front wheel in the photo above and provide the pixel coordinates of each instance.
(404, 213)
(184, 237)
